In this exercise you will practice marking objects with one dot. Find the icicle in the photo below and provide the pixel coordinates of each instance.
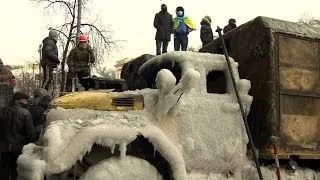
(123, 150)
(112, 147)
(154, 151)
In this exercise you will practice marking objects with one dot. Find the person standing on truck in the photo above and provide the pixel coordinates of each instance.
(79, 61)
(183, 25)
(49, 59)
(231, 25)
(164, 24)
(206, 34)
(16, 130)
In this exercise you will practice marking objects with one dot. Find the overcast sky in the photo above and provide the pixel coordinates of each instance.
(24, 23)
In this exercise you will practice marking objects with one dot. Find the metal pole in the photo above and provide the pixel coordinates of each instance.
(244, 117)
(78, 21)
(40, 57)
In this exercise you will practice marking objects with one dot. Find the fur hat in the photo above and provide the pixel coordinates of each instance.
(208, 17)
(207, 20)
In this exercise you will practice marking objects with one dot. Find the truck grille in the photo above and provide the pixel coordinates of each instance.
(123, 101)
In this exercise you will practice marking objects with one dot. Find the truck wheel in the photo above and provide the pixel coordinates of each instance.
(126, 168)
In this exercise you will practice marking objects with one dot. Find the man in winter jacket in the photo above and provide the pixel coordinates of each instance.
(79, 61)
(164, 24)
(16, 130)
(230, 26)
(37, 108)
(183, 25)
(49, 58)
(206, 34)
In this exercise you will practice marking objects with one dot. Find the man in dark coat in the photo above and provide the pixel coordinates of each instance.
(49, 58)
(164, 24)
(38, 107)
(230, 26)
(206, 34)
(16, 130)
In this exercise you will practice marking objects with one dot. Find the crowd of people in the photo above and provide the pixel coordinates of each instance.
(21, 122)
(22, 117)
(180, 27)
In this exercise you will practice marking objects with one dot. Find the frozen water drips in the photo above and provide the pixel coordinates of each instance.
(169, 94)
(123, 149)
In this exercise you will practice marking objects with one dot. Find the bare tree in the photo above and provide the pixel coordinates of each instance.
(105, 72)
(27, 77)
(309, 20)
(100, 38)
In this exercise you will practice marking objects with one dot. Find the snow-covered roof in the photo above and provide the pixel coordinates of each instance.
(277, 25)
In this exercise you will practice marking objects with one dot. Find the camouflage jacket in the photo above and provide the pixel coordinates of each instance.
(79, 58)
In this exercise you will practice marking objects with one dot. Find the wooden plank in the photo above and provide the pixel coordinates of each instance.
(298, 52)
(298, 64)
(300, 132)
(299, 79)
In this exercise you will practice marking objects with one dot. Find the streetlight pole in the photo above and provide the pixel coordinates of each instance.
(40, 57)
(78, 21)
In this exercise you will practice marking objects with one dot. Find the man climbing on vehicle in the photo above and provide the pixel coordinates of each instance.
(79, 61)
(49, 59)
(183, 25)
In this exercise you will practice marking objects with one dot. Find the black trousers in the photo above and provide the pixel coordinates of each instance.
(180, 42)
(164, 46)
(80, 74)
(9, 165)
(47, 76)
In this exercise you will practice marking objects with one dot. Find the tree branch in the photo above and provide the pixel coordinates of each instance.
(59, 1)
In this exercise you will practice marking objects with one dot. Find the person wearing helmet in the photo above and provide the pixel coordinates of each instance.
(79, 60)
(182, 26)
(231, 25)
(49, 59)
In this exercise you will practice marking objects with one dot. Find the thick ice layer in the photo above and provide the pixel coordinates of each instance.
(127, 168)
(199, 134)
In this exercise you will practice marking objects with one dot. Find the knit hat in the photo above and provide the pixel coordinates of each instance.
(180, 8)
(232, 21)
(20, 95)
(53, 34)
(39, 92)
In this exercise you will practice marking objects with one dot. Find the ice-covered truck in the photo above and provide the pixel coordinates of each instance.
(186, 128)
